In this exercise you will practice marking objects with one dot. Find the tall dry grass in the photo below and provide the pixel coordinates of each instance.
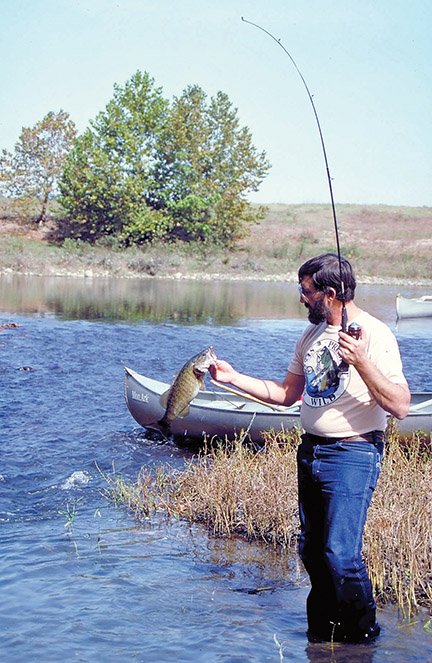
(237, 490)
(243, 491)
(398, 534)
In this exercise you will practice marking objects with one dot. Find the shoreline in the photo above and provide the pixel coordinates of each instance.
(288, 277)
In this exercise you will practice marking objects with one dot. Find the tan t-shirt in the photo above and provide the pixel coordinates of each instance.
(337, 403)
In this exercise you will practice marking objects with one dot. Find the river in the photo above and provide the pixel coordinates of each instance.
(81, 580)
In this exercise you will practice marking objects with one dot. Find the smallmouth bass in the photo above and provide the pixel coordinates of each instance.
(185, 387)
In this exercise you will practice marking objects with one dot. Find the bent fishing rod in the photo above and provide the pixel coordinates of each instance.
(279, 43)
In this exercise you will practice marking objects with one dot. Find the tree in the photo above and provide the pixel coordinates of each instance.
(212, 165)
(108, 175)
(32, 171)
(148, 169)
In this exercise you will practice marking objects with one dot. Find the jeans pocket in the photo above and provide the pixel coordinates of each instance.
(364, 457)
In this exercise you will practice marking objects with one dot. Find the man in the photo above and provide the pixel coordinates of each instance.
(347, 386)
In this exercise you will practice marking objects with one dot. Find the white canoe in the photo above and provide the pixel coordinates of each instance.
(218, 413)
(418, 307)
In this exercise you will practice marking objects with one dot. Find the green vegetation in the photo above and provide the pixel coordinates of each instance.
(233, 490)
(145, 169)
(152, 170)
(172, 179)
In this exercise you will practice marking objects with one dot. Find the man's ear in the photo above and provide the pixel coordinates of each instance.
(331, 294)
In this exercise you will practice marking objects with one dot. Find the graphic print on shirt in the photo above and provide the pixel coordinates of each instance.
(325, 381)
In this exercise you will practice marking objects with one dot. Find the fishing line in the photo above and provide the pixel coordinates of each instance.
(279, 43)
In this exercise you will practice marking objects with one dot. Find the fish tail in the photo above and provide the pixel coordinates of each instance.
(164, 426)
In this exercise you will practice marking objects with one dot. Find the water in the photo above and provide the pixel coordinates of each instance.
(80, 579)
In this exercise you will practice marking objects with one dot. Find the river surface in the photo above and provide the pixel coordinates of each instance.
(80, 579)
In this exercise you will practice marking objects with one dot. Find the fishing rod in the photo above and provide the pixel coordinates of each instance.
(279, 43)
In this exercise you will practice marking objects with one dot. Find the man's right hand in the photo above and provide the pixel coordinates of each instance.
(222, 371)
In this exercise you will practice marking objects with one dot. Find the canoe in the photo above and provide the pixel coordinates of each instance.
(417, 307)
(220, 413)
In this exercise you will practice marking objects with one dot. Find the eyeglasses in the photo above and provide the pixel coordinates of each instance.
(305, 293)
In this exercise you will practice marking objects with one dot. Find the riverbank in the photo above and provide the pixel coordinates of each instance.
(387, 245)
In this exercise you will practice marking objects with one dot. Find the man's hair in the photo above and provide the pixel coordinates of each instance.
(326, 273)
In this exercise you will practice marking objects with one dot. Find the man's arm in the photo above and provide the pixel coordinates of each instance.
(392, 397)
(271, 391)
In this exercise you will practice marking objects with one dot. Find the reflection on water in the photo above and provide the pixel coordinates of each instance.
(154, 300)
(179, 301)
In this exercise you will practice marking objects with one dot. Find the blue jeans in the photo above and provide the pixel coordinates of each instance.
(336, 481)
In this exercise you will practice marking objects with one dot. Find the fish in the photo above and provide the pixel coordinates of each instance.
(187, 384)
(326, 373)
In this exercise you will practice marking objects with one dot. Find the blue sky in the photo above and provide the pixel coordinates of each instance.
(368, 64)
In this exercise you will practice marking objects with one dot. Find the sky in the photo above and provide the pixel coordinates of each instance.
(367, 63)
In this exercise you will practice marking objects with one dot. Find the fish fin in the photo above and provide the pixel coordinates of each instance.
(163, 400)
(184, 413)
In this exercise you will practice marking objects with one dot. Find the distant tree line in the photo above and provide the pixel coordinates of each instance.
(145, 169)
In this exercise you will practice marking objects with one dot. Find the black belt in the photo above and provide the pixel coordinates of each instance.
(372, 437)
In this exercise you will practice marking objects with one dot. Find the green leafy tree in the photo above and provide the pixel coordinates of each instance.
(149, 169)
(108, 176)
(207, 165)
(32, 171)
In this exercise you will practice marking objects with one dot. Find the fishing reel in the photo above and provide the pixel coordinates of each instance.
(354, 330)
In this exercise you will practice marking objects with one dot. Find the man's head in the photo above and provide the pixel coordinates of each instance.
(320, 285)
(325, 273)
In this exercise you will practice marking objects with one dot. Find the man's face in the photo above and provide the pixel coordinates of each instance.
(314, 300)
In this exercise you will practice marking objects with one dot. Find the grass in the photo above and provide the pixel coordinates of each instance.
(398, 535)
(385, 243)
(236, 490)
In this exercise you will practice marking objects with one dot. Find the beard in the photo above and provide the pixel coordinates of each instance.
(318, 312)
